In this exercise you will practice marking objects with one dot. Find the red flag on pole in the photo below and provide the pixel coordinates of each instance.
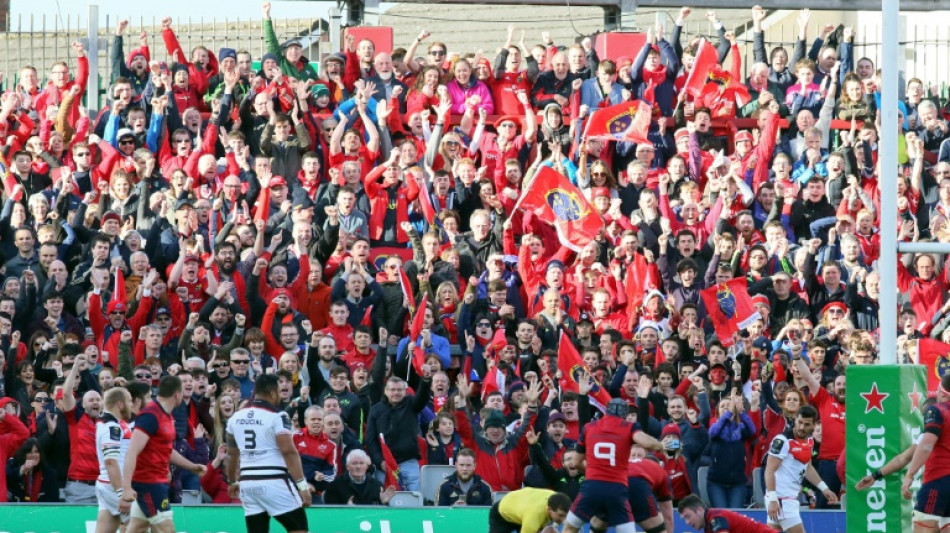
(425, 203)
(934, 355)
(641, 278)
(262, 208)
(118, 292)
(392, 467)
(626, 121)
(367, 317)
(415, 330)
(730, 308)
(552, 197)
(571, 365)
(407, 289)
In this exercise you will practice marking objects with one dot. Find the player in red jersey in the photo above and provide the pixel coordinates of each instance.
(698, 516)
(606, 444)
(146, 481)
(644, 467)
(933, 453)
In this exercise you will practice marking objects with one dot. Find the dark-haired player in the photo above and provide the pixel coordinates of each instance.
(260, 439)
(146, 469)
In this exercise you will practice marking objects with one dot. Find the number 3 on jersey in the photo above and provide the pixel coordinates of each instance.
(606, 450)
(250, 439)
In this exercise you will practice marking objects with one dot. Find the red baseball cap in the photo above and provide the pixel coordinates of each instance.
(281, 292)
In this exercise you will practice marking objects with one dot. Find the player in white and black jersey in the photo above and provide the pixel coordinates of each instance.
(113, 433)
(789, 462)
(272, 483)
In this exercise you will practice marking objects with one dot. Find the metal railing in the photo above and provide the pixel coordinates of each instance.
(41, 41)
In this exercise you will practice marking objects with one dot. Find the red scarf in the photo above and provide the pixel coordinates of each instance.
(447, 316)
(656, 77)
(33, 484)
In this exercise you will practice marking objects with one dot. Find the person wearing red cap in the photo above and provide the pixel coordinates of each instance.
(108, 327)
(496, 148)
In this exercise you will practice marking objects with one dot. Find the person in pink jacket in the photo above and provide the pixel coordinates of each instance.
(465, 90)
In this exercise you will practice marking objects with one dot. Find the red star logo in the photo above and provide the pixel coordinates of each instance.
(875, 399)
(915, 397)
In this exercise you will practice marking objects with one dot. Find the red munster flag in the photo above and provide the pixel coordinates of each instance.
(730, 308)
(707, 60)
(934, 355)
(392, 467)
(494, 380)
(571, 365)
(550, 196)
(415, 331)
(641, 278)
(626, 121)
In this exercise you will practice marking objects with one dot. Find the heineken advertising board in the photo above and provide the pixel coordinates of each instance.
(884, 414)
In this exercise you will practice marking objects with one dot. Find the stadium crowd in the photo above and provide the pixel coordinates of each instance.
(337, 226)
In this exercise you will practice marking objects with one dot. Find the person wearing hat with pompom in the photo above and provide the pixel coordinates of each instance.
(107, 326)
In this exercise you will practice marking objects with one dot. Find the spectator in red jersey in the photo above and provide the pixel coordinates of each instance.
(81, 420)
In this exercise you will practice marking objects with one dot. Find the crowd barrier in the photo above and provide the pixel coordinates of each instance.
(32, 518)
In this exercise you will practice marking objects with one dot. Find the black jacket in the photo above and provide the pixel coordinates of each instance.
(399, 425)
(343, 488)
(450, 492)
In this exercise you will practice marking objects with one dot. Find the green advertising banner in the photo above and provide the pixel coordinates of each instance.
(883, 418)
(230, 519)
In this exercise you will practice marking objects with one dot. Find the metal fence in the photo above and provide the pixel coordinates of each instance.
(41, 41)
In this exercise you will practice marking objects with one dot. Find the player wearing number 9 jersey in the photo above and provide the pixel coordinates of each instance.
(606, 447)
(272, 481)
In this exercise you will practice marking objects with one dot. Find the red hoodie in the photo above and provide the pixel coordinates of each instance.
(12, 435)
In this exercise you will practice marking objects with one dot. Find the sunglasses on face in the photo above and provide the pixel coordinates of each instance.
(127, 141)
(484, 324)
(42, 399)
(452, 143)
(142, 376)
(436, 52)
(240, 361)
